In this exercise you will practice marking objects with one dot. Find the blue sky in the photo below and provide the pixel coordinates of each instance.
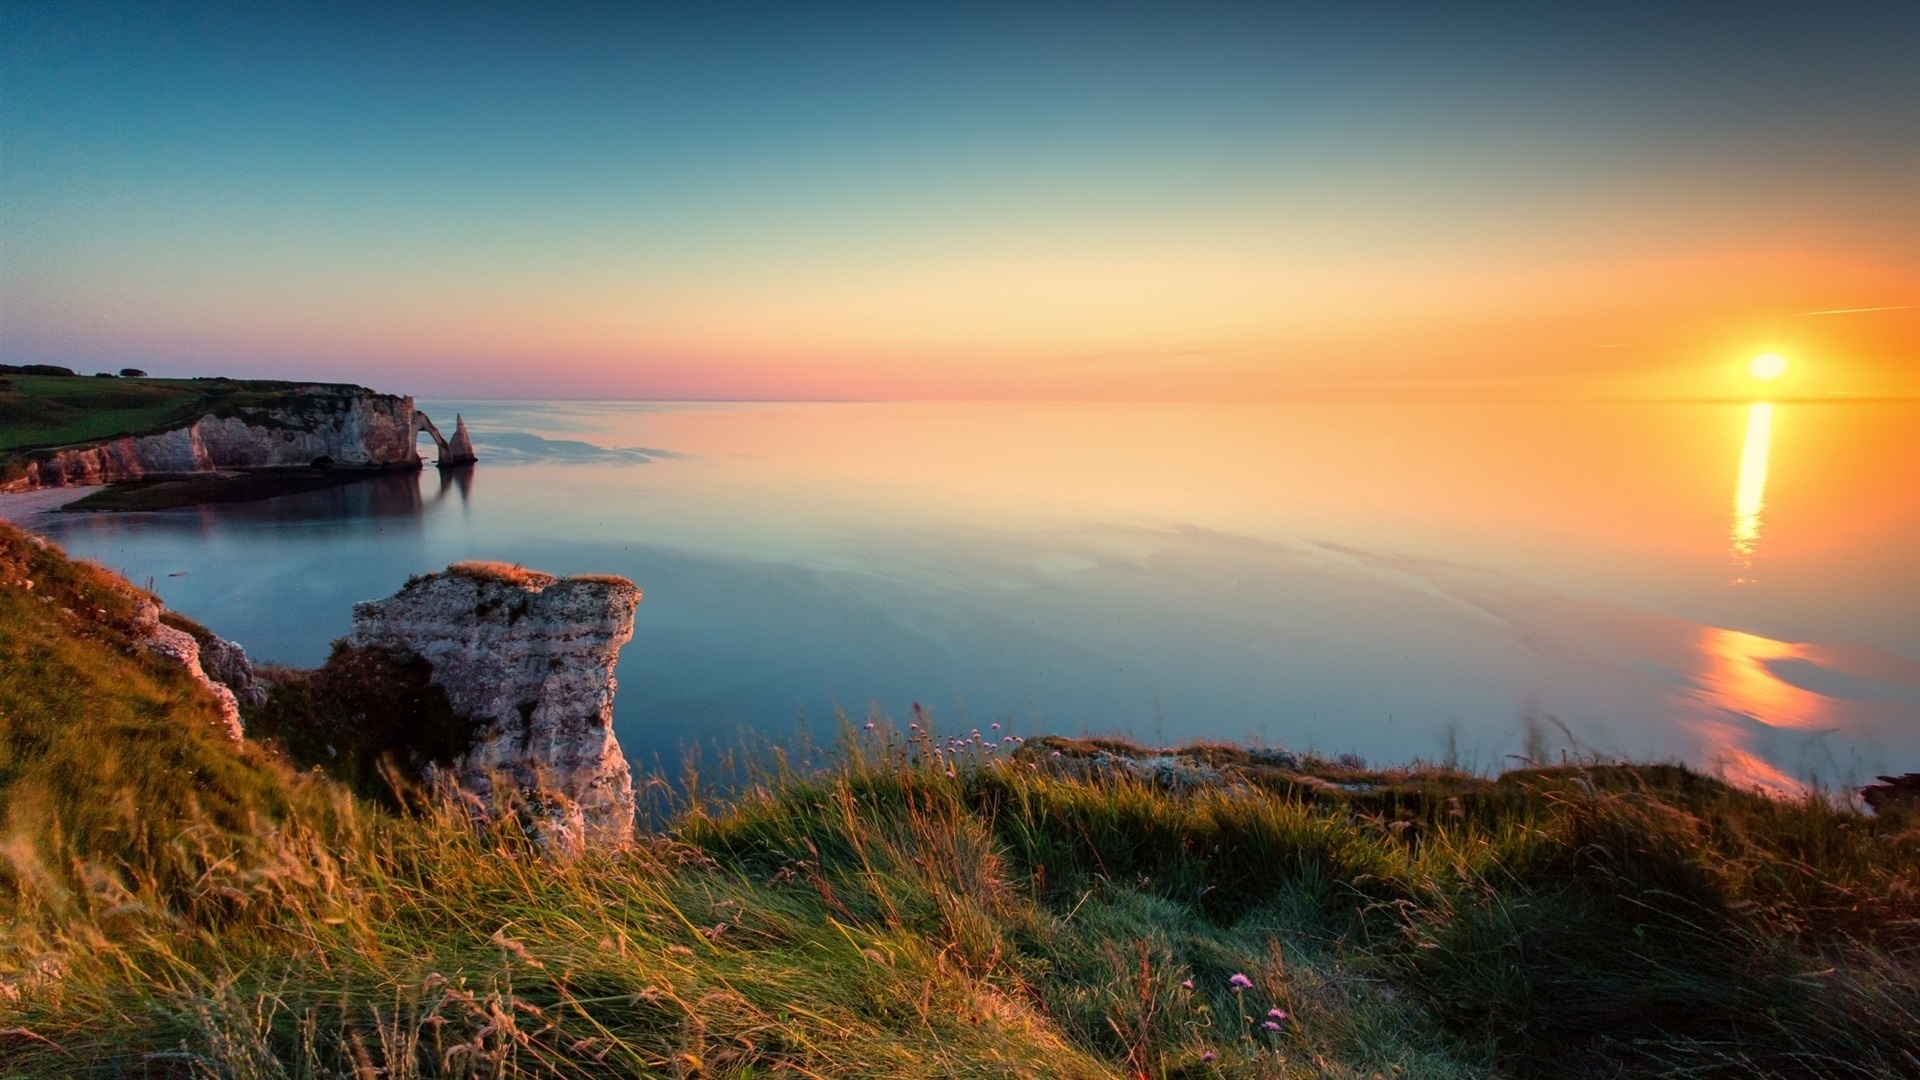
(885, 200)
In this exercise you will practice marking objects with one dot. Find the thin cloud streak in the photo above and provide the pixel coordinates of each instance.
(1860, 310)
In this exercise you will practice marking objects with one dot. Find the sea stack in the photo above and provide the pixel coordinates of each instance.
(459, 449)
(530, 658)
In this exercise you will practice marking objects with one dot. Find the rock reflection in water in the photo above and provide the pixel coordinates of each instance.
(385, 495)
(1288, 573)
(459, 477)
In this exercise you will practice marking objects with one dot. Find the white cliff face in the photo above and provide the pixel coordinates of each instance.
(348, 427)
(530, 657)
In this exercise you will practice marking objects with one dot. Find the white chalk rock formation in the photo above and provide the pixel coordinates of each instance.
(184, 649)
(459, 448)
(455, 451)
(347, 426)
(530, 657)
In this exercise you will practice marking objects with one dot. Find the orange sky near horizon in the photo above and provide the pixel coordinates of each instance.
(1142, 328)
(1258, 204)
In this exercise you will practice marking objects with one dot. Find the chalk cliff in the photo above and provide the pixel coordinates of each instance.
(342, 426)
(530, 657)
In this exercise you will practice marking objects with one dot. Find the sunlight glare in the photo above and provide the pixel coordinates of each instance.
(1767, 366)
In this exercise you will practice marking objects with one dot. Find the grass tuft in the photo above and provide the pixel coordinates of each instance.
(505, 573)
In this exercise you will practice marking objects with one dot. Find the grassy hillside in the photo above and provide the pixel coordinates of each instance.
(174, 906)
(103, 748)
(38, 411)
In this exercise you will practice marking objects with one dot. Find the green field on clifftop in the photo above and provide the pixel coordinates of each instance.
(39, 411)
(174, 905)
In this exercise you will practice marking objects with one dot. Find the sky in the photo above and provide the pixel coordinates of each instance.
(976, 201)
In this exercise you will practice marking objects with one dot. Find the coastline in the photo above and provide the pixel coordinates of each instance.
(26, 508)
(1035, 898)
(179, 492)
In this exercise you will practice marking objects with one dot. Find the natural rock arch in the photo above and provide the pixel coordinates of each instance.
(455, 451)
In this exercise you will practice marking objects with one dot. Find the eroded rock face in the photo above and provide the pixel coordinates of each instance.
(225, 662)
(530, 656)
(184, 649)
(459, 449)
(423, 422)
(455, 451)
(346, 426)
(108, 609)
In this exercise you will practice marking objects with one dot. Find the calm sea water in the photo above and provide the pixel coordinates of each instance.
(1737, 586)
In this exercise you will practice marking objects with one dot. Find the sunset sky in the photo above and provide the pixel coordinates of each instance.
(975, 201)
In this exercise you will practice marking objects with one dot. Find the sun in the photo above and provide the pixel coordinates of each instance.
(1767, 366)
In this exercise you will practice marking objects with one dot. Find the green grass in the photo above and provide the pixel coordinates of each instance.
(105, 748)
(44, 411)
(175, 906)
(48, 410)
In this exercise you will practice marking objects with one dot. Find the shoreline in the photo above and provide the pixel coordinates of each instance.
(1585, 918)
(25, 508)
(178, 492)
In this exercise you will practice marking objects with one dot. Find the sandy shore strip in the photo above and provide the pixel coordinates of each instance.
(22, 507)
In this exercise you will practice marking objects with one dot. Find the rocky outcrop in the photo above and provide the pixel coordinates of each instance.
(1894, 796)
(529, 657)
(339, 426)
(455, 451)
(1200, 767)
(184, 648)
(459, 450)
(226, 663)
(423, 422)
(100, 606)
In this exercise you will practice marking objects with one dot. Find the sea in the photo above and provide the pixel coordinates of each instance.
(1733, 585)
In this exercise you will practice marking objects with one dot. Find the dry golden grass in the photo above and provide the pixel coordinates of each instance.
(171, 905)
(505, 573)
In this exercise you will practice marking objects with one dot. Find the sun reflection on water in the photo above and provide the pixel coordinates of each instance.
(1750, 494)
(1738, 679)
(1741, 691)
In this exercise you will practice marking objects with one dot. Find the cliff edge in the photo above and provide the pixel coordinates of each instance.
(529, 657)
(73, 431)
